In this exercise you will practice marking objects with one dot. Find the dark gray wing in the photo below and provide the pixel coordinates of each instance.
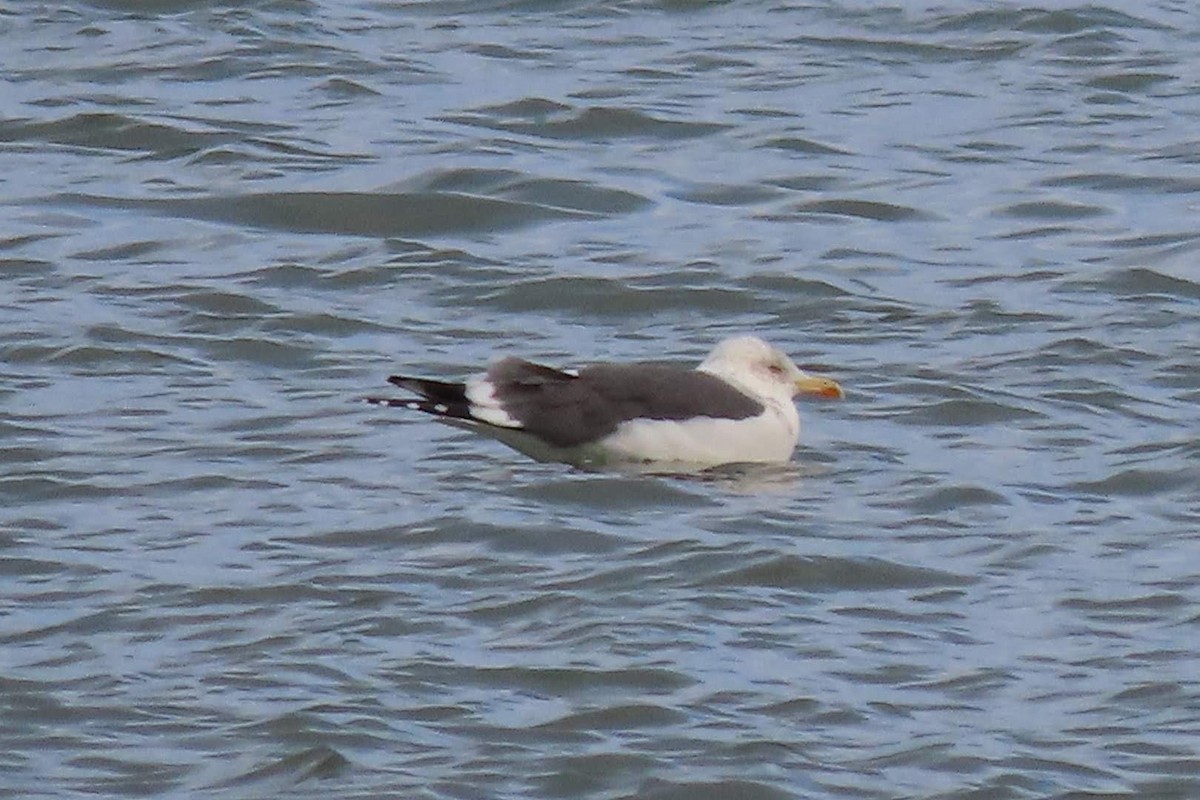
(568, 410)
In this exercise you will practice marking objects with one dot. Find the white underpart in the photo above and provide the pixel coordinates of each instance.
(481, 395)
(769, 437)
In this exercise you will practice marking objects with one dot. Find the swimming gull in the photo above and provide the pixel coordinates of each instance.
(736, 406)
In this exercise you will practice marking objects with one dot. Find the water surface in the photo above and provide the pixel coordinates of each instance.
(223, 223)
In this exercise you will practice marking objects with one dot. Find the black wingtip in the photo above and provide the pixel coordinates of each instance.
(443, 392)
(433, 407)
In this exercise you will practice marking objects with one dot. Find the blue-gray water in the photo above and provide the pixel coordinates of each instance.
(223, 223)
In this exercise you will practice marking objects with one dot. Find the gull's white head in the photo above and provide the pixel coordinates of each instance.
(754, 366)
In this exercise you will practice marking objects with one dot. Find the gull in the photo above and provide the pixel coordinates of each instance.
(735, 407)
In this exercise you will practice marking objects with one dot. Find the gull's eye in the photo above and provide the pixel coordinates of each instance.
(776, 370)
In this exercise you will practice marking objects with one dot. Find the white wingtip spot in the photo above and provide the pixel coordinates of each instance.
(441, 408)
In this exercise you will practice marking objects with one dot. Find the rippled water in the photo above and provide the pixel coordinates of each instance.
(223, 223)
